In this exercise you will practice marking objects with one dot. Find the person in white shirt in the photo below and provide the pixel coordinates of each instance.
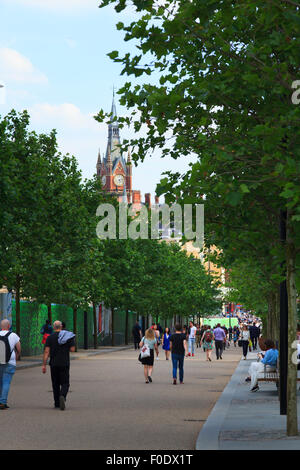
(245, 336)
(7, 363)
(192, 339)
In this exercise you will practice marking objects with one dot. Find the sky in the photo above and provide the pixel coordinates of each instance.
(54, 63)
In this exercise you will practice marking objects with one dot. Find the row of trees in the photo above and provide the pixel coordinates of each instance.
(227, 73)
(50, 252)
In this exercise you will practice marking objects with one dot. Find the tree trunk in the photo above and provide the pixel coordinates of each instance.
(112, 326)
(75, 327)
(49, 313)
(292, 422)
(126, 326)
(18, 309)
(270, 316)
(95, 326)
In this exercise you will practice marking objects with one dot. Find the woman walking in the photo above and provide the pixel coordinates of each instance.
(166, 343)
(245, 336)
(149, 340)
(208, 341)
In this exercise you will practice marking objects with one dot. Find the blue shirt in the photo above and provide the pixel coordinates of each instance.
(219, 334)
(270, 358)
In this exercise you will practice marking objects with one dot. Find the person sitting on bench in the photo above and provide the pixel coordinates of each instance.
(269, 360)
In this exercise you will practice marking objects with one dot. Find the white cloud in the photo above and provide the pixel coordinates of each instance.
(18, 68)
(77, 132)
(70, 5)
(65, 115)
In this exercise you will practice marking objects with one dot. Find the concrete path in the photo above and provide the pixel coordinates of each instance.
(242, 420)
(110, 407)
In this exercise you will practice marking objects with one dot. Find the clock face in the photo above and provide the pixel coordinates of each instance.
(119, 180)
(103, 180)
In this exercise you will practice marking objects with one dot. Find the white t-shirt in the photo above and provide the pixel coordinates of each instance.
(13, 339)
(193, 332)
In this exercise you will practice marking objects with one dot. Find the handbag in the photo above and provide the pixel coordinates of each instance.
(240, 343)
(145, 351)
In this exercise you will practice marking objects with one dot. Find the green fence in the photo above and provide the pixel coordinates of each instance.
(224, 321)
(33, 317)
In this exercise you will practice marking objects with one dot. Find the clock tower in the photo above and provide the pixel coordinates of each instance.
(114, 172)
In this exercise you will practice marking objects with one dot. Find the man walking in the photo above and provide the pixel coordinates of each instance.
(254, 335)
(178, 348)
(219, 335)
(10, 350)
(58, 347)
(192, 338)
(137, 335)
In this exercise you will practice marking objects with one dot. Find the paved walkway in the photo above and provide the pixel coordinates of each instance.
(242, 420)
(36, 361)
(110, 406)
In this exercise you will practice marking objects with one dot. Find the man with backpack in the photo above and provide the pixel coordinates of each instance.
(58, 347)
(10, 350)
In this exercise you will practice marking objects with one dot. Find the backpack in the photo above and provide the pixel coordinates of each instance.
(208, 336)
(5, 350)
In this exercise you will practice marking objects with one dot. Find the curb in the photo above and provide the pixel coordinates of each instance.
(208, 438)
(73, 358)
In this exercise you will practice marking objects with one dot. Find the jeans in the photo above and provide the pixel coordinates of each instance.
(219, 348)
(178, 359)
(60, 377)
(192, 345)
(6, 374)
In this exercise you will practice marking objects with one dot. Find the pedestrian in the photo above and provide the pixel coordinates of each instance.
(192, 338)
(10, 350)
(230, 335)
(254, 334)
(245, 336)
(58, 347)
(166, 343)
(269, 360)
(208, 341)
(149, 340)
(219, 336)
(46, 331)
(137, 335)
(198, 335)
(235, 334)
(157, 335)
(178, 347)
(225, 339)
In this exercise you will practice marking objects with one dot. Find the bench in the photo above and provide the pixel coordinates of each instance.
(272, 376)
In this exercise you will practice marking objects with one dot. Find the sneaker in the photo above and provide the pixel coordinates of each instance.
(2, 406)
(62, 403)
(254, 389)
(149, 378)
(174, 381)
(193, 355)
(247, 379)
(189, 354)
(220, 357)
(181, 383)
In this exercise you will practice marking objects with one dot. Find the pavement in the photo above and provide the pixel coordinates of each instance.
(36, 361)
(243, 420)
(109, 406)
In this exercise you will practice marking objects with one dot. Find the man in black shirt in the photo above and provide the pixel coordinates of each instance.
(178, 348)
(137, 335)
(254, 334)
(58, 347)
